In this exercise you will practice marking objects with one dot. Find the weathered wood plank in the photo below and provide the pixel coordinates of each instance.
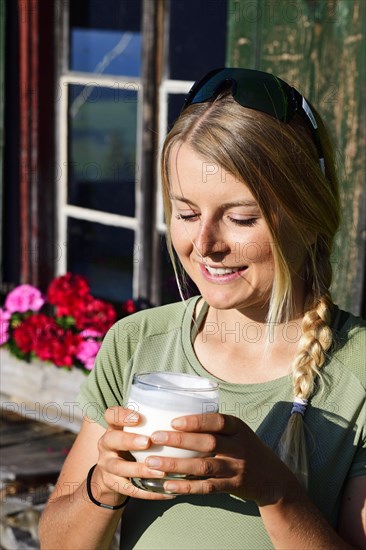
(2, 133)
(31, 449)
(53, 394)
(40, 457)
(151, 74)
(24, 432)
(320, 47)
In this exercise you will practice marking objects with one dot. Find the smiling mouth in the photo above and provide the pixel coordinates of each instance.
(223, 270)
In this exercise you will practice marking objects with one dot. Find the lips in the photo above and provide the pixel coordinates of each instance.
(221, 275)
(223, 270)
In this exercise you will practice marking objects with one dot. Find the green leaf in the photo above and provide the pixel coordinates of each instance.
(14, 350)
(66, 321)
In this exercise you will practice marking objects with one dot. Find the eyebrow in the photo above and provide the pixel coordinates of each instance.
(247, 202)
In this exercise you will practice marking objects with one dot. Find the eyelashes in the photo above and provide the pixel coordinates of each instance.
(247, 223)
(243, 223)
(187, 218)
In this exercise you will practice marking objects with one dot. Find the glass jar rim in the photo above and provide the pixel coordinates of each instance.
(212, 386)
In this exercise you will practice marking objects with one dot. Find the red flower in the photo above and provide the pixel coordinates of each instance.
(68, 293)
(41, 334)
(60, 348)
(95, 314)
(128, 307)
(36, 326)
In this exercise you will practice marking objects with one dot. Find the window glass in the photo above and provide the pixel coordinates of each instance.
(197, 38)
(175, 104)
(105, 36)
(103, 254)
(112, 52)
(102, 148)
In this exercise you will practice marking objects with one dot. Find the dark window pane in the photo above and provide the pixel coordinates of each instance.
(175, 104)
(105, 36)
(104, 255)
(197, 41)
(102, 149)
(170, 292)
(106, 14)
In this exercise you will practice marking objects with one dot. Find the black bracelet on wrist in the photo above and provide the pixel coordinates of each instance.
(96, 502)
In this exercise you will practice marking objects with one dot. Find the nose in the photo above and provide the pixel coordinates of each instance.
(209, 241)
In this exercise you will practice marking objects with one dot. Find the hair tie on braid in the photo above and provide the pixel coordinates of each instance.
(299, 406)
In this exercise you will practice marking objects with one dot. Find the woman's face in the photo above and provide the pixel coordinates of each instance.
(219, 234)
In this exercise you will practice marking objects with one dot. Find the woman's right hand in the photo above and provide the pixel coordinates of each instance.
(116, 465)
(71, 519)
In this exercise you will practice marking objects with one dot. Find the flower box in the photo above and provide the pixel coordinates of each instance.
(48, 343)
(41, 391)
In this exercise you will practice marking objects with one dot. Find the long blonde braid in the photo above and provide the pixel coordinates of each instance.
(315, 341)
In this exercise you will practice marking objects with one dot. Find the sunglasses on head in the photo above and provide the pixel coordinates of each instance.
(260, 91)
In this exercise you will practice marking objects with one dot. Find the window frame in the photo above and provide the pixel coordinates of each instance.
(167, 87)
(65, 210)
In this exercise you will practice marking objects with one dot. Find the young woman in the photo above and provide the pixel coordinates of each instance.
(252, 209)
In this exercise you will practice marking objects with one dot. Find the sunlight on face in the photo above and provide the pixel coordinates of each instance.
(218, 232)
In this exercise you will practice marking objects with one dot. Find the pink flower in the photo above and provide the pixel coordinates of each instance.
(4, 325)
(87, 352)
(90, 333)
(24, 298)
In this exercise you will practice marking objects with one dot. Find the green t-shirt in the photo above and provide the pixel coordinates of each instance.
(160, 339)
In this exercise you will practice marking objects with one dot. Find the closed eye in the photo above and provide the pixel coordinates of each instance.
(247, 223)
(187, 217)
(192, 217)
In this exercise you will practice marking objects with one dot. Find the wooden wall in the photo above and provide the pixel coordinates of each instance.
(2, 93)
(319, 46)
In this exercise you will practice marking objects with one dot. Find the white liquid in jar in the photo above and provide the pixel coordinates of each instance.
(159, 407)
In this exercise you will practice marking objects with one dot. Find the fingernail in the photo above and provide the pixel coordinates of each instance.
(141, 440)
(178, 423)
(170, 486)
(132, 417)
(153, 462)
(159, 437)
(157, 473)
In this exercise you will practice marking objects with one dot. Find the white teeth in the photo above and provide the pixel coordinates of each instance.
(222, 270)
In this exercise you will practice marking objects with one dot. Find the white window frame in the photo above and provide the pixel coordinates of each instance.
(63, 208)
(167, 88)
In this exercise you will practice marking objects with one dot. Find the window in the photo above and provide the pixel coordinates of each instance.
(100, 134)
(99, 131)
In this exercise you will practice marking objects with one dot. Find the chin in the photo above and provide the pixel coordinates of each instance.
(220, 300)
(227, 300)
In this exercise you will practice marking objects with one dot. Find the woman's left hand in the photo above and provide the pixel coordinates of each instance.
(240, 463)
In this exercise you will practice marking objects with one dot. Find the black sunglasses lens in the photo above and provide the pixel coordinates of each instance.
(252, 89)
(208, 88)
(266, 94)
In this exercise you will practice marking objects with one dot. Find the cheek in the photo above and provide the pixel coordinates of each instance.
(180, 241)
(256, 250)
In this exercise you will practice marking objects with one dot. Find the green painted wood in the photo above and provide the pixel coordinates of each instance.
(320, 47)
(2, 93)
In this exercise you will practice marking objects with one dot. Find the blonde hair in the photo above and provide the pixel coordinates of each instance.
(279, 164)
